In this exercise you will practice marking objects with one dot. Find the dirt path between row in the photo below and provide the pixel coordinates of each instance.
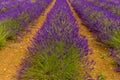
(13, 52)
(100, 53)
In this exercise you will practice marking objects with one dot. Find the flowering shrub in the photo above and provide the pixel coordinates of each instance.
(103, 22)
(58, 52)
(16, 14)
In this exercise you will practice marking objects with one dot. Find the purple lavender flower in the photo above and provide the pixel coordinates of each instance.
(58, 51)
(100, 17)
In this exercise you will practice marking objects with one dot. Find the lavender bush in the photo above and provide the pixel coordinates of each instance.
(104, 25)
(15, 15)
(110, 6)
(58, 52)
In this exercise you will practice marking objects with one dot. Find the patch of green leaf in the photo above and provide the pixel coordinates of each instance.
(4, 9)
(2, 41)
(3, 35)
(106, 22)
(118, 12)
(114, 41)
(102, 76)
(11, 26)
(114, 63)
(34, 1)
(99, 14)
(103, 56)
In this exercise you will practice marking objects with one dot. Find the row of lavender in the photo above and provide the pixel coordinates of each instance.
(58, 51)
(102, 22)
(16, 14)
(109, 6)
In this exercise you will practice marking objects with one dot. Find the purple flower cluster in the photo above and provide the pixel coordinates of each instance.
(100, 17)
(110, 6)
(60, 26)
(22, 10)
(15, 15)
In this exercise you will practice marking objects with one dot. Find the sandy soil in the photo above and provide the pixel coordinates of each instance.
(100, 53)
(11, 55)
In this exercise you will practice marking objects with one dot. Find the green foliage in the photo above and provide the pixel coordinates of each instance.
(34, 1)
(103, 56)
(102, 77)
(57, 65)
(2, 42)
(8, 27)
(23, 16)
(4, 10)
(3, 35)
(114, 41)
(11, 26)
(99, 14)
(92, 15)
(114, 63)
(118, 12)
(106, 22)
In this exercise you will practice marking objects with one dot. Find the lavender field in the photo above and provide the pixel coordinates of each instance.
(59, 40)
